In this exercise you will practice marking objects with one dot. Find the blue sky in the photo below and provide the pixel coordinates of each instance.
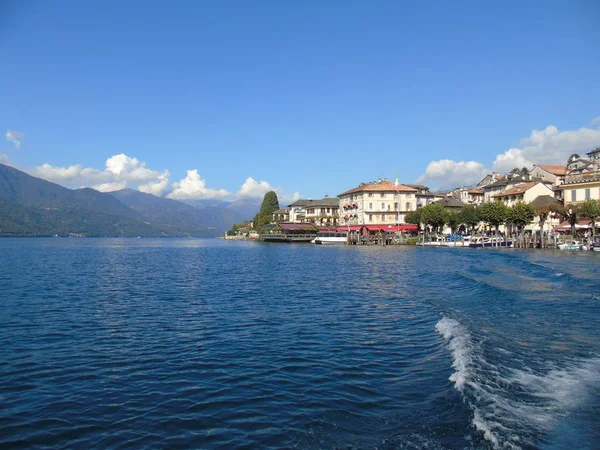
(229, 99)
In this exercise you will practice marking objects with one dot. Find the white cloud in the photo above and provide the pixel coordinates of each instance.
(109, 187)
(15, 137)
(550, 146)
(194, 187)
(447, 173)
(254, 189)
(156, 187)
(120, 172)
(257, 189)
(4, 159)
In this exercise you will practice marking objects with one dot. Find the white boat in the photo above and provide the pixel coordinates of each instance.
(435, 241)
(330, 237)
(458, 241)
(571, 245)
(483, 241)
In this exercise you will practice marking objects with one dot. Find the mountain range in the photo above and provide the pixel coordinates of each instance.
(30, 206)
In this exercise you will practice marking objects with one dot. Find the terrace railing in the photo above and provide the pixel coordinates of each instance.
(582, 177)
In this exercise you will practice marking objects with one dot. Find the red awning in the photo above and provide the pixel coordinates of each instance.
(349, 228)
(393, 228)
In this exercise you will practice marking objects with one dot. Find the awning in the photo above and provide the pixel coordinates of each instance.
(349, 228)
(392, 228)
(566, 226)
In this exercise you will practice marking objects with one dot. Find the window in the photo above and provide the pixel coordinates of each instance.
(389, 207)
(382, 195)
(370, 217)
(396, 206)
(370, 194)
(408, 206)
(573, 195)
(383, 217)
(587, 194)
(370, 205)
(383, 205)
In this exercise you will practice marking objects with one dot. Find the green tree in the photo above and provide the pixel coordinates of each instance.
(453, 220)
(234, 230)
(590, 209)
(434, 214)
(521, 214)
(269, 205)
(414, 217)
(493, 213)
(470, 216)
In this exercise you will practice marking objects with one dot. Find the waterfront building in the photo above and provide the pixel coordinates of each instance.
(555, 174)
(582, 181)
(523, 193)
(509, 181)
(469, 196)
(580, 165)
(451, 202)
(321, 212)
(489, 179)
(581, 187)
(424, 197)
(281, 215)
(379, 202)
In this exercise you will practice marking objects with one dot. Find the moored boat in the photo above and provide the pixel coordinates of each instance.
(483, 241)
(458, 241)
(434, 241)
(329, 237)
(571, 245)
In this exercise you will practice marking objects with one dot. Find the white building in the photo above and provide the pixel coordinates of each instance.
(321, 212)
(525, 193)
(554, 174)
(380, 202)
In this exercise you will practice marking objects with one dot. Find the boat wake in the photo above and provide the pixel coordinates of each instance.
(514, 407)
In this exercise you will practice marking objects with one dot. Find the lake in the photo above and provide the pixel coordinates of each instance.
(159, 343)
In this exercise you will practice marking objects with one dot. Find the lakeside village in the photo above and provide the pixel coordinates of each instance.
(550, 206)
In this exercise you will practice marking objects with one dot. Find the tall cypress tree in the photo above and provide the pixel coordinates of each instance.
(269, 205)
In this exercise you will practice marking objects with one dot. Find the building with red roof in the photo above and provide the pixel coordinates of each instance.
(380, 202)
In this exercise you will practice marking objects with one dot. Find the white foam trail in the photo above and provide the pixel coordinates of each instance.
(518, 408)
(460, 346)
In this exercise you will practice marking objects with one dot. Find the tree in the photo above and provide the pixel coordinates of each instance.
(573, 157)
(469, 215)
(524, 171)
(434, 214)
(269, 205)
(569, 212)
(414, 217)
(453, 220)
(494, 213)
(521, 214)
(545, 205)
(234, 230)
(590, 209)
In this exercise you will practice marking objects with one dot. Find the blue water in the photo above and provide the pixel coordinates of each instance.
(212, 344)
